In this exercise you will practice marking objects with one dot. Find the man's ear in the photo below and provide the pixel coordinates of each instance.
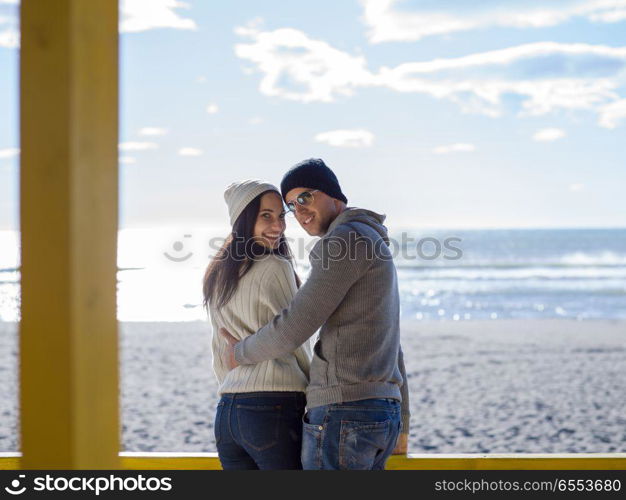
(339, 205)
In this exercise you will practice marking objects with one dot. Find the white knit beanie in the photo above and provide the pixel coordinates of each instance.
(239, 194)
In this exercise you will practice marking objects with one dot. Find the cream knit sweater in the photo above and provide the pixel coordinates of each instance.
(264, 291)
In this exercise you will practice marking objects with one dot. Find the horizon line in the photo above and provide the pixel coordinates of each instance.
(394, 227)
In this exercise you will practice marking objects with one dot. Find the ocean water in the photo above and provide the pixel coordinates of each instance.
(447, 275)
(547, 273)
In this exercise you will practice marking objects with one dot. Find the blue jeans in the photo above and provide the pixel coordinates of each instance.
(350, 435)
(260, 430)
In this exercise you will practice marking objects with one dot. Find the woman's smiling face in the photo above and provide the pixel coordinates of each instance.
(270, 222)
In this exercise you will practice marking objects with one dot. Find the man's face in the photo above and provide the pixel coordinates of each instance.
(318, 215)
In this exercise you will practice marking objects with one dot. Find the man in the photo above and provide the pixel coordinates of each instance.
(357, 375)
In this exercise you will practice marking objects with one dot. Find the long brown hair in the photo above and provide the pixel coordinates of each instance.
(236, 256)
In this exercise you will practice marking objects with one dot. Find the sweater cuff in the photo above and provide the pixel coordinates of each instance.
(238, 353)
(406, 422)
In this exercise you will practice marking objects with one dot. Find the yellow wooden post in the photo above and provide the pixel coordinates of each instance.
(68, 331)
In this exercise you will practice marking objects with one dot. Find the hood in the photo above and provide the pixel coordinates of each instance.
(372, 219)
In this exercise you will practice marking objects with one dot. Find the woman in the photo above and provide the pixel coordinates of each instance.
(258, 424)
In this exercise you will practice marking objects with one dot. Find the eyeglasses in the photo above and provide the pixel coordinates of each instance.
(305, 198)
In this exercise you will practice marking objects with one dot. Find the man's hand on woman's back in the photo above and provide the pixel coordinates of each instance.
(229, 355)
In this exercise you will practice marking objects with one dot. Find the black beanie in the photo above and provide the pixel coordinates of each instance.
(312, 173)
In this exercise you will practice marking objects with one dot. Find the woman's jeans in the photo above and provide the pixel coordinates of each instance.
(351, 435)
(260, 430)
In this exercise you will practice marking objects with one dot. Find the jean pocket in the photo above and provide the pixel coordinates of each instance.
(311, 455)
(362, 443)
(259, 425)
(313, 429)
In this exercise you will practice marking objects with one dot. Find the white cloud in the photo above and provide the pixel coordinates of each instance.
(143, 15)
(613, 16)
(127, 160)
(612, 114)
(547, 76)
(355, 138)
(548, 135)
(576, 187)
(212, 108)
(300, 68)
(190, 152)
(201, 79)
(137, 146)
(153, 131)
(9, 29)
(459, 147)
(255, 120)
(10, 38)
(9, 153)
(386, 23)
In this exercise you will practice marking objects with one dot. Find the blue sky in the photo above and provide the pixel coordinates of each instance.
(437, 113)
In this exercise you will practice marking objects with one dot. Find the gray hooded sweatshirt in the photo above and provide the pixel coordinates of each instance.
(352, 294)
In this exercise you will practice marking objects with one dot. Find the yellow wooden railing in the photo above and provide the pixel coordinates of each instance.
(69, 391)
(209, 461)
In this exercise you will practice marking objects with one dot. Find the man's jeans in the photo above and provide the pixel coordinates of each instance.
(260, 430)
(351, 435)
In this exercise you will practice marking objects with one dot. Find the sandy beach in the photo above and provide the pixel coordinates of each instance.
(503, 386)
